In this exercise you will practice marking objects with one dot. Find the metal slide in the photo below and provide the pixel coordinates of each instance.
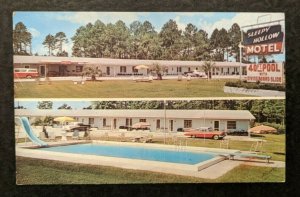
(26, 126)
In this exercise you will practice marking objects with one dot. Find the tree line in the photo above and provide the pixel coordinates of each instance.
(272, 111)
(139, 40)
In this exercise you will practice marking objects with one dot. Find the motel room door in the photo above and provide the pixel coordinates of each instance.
(216, 125)
(42, 71)
(115, 124)
(108, 71)
(171, 125)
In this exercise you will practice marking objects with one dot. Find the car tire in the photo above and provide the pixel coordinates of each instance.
(215, 137)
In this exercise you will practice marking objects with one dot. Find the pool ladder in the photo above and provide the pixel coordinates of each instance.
(180, 144)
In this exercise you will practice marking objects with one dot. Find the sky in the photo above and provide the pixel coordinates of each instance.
(40, 24)
(56, 104)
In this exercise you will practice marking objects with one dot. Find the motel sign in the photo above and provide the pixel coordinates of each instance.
(263, 40)
(265, 73)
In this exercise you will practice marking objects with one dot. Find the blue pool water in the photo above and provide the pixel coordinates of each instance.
(143, 153)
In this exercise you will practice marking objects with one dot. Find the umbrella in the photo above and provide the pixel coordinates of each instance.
(64, 119)
(140, 125)
(263, 129)
(141, 67)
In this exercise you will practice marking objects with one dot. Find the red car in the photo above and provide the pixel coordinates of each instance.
(25, 73)
(205, 133)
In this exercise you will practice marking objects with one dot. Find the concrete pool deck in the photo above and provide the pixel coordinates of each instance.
(210, 169)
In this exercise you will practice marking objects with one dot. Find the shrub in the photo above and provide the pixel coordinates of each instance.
(256, 85)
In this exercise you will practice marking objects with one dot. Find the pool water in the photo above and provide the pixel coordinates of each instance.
(130, 152)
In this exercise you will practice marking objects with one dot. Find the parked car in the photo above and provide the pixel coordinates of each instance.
(79, 126)
(205, 133)
(195, 73)
(180, 130)
(25, 73)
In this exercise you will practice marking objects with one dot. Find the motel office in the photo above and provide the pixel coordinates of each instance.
(223, 120)
(52, 66)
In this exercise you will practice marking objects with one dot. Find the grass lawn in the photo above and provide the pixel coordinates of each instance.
(124, 89)
(274, 145)
(36, 171)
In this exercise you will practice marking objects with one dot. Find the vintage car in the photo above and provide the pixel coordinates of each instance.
(195, 73)
(202, 133)
(25, 73)
(72, 126)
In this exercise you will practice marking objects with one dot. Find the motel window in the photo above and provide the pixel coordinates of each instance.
(104, 122)
(187, 124)
(123, 69)
(228, 70)
(91, 120)
(26, 66)
(128, 121)
(231, 124)
(143, 120)
(79, 68)
(189, 69)
(134, 70)
(179, 69)
(157, 124)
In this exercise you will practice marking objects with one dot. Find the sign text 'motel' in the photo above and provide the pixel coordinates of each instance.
(263, 40)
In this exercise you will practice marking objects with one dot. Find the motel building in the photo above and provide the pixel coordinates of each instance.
(51, 66)
(223, 120)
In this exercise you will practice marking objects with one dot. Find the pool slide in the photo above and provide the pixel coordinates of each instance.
(26, 125)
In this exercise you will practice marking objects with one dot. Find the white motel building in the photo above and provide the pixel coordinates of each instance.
(223, 120)
(53, 66)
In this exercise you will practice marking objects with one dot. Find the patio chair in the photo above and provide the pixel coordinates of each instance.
(122, 137)
(106, 136)
(42, 136)
(52, 136)
(75, 135)
(81, 135)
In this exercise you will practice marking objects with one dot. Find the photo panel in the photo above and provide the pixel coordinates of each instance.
(206, 140)
(139, 95)
(148, 54)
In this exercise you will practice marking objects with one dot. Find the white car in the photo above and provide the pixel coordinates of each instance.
(196, 73)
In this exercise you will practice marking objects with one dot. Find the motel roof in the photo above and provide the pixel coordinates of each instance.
(110, 62)
(192, 114)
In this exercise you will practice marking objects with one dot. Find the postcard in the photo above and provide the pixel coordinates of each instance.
(149, 97)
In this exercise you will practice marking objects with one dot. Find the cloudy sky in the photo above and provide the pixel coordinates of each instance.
(40, 24)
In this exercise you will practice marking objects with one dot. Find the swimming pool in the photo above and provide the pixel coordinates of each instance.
(130, 152)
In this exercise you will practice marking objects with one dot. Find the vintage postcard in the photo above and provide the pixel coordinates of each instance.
(149, 97)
